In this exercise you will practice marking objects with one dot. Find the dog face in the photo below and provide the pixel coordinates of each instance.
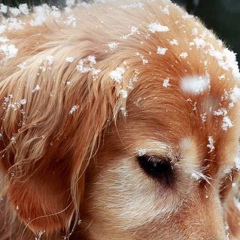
(121, 126)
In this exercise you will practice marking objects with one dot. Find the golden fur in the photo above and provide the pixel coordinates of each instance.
(72, 131)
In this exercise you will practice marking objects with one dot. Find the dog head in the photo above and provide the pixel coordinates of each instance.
(128, 121)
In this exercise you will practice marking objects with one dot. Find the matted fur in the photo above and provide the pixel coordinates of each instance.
(70, 136)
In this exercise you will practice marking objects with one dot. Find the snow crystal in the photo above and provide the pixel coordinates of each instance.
(55, 12)
(210, 145)
(117, 75)
(226, 123)
(11, 24)
(70, 59)
(22, 65)
(174, 42)
(161, 50)
(166, 82)
(70, 3)
(73, 109)
(113, 45)
(124, 93)
(195, 176)
(195, 84)
(86, 64)
(124, 111)
(71, 21)
(4, 39)
(95, 72)
(157, 27)
(194, 31)
(203, 117)
(183, 55)
(220, 112)
(10, 51)
(24, 8)
(41, 13)
(133, 5)
(50, 59)
(165, 10)
(144, 61)
(3, 8)
(14, 11)
(231, 62)
(23, 101)
(199, 42)
(141, 151)
(37, 88)
(187, 16)
(234, 96)
(221, 77)
(133, 31)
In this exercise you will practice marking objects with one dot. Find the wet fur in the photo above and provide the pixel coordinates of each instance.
(76, 175)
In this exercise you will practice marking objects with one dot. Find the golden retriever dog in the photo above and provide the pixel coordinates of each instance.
(119, 121)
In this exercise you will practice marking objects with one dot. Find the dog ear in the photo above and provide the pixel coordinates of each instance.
(52, 116)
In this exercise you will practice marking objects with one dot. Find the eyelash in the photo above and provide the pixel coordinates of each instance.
(159, 168)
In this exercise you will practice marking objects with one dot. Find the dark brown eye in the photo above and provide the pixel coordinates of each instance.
(159, 168)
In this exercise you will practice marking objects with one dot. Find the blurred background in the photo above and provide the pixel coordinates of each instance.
(222, 16)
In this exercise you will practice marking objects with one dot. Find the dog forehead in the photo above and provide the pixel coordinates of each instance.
(199, 107)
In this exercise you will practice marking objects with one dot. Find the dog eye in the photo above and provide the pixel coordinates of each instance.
(159, 168)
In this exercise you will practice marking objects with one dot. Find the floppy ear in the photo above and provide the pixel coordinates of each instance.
(52, 114)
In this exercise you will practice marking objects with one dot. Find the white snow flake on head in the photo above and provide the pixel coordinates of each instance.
(71, 21)
(41, 13)
(210, 145)
(227, 123)
(24, 8)
(199, 42)
(14, 11)
(157, 27)
(70, 3)
(134, 30)
(23, 101)
(166, 82)
(86, 64)
(231, 62)
(113, 45)
(73, 109)
(165, 10)
(183, 55)
(70, 59)
(3, 8)
(161, 50)
(174, 42)
(141, 151)
(22, 65)
(124, 93)
(194, 31)
(50, 60)
(195, 84)
(117, 74)
(234, 96)
(37, 88)
(220, 112)
(10, 51)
